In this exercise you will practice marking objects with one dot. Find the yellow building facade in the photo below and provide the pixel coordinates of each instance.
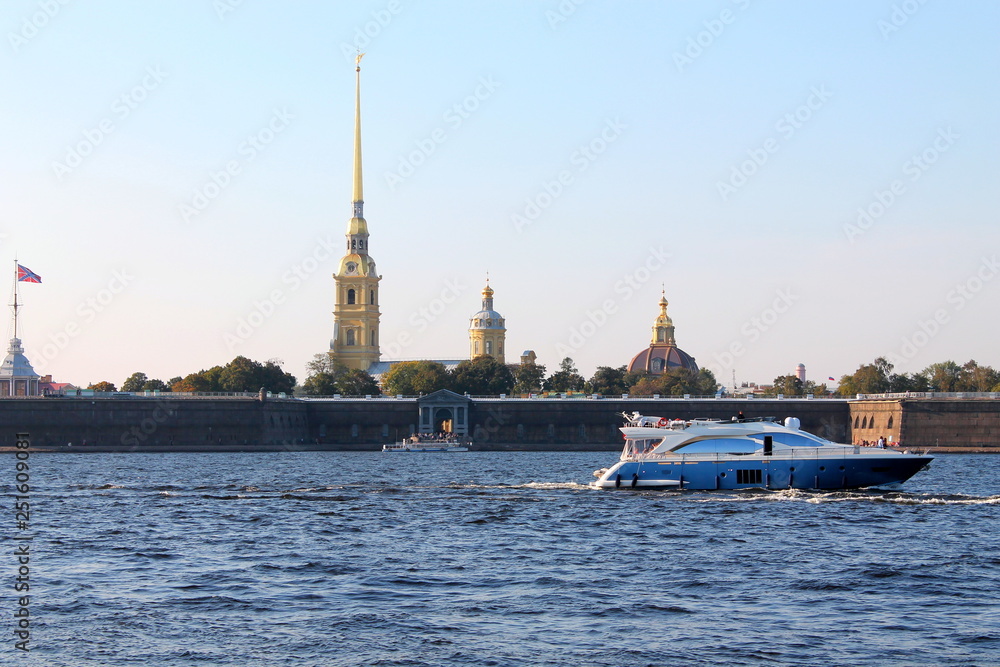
(487, 330)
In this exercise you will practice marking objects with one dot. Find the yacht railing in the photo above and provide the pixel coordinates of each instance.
(800, 453)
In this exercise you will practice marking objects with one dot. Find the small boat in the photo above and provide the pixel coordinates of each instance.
(418, 443)
(703, 454)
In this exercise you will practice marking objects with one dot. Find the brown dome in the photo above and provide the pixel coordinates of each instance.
(657, 359)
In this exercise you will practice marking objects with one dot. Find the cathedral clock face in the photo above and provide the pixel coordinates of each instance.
(351, 267)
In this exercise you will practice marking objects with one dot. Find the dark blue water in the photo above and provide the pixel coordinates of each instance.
(327, 558)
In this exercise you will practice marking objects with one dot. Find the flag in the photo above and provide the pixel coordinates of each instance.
(831, 379)
(26, 275)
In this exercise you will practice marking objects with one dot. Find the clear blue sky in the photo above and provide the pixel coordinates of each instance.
(583, 153)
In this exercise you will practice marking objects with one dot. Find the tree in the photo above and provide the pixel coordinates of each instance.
(789, 385)
(321, 384)
(707, 383)
(871, 378)
(565, 379)
(680, 381)
(484, 376)
(240, 374)
(974, 377)
(815, 389)
(676, 382)
(328, 376)
(646, 385)
(202, 381)
(609, 381)
(528, 378)
(139, 382)
(135, 382)
(243, 374)
(356, 382)
(409, 378)
(943, 376)
(103, 385)
(274, 379)
(901, 382)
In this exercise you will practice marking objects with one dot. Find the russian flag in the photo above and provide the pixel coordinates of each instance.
(831, 379)
(26, 275)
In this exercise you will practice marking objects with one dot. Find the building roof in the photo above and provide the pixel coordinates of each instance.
(15, 364)
(657, 359)
(487, 318)
(662, 353)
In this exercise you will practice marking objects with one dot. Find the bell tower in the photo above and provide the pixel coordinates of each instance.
(663, 328)
(487, 331)
(355, 340)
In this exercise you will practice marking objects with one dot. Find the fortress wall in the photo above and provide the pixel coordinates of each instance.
(162, 423)
(593, 424)
(361, 424)
(134, 423)
(959, 423)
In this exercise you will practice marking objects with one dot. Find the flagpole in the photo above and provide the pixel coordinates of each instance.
(15, 297)
(16, 304)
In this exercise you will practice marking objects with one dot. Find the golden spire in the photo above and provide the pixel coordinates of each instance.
(663, 327)
(358, 195)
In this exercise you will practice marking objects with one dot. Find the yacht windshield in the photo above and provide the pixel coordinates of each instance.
(641, 447)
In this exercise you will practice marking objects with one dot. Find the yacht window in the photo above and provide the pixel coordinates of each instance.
(720, 446)
(792, 439)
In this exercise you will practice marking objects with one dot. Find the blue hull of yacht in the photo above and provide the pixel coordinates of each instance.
(849, 472)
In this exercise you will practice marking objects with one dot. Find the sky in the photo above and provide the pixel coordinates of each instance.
(808, 183)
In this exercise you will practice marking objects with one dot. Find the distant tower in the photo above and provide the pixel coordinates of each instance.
(486, 329)
(662, 353)
(355, 340)
(800, 373)
(17, 377)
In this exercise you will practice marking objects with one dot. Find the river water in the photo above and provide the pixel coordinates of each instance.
(493, 558)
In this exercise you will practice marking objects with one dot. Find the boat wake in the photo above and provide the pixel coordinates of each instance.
(862, 495)
(544, 486)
